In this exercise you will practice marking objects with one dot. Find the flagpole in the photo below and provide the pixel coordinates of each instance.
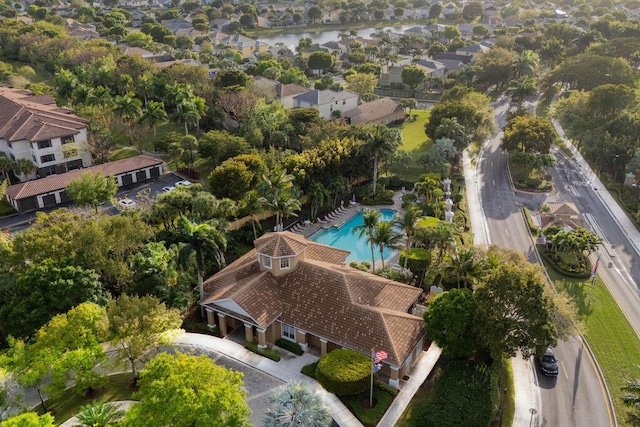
(373, 355)
(593, 280)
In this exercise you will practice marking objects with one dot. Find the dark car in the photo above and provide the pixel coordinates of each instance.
(549, 363)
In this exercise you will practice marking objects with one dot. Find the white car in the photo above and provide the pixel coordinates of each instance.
(168, 188)
(126, 203)
(183, 182)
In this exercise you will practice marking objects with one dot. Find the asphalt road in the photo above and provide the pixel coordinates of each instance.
(575, 397)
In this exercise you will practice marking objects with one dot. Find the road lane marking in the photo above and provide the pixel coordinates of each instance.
(506, 231)
(603, 389)
(494, 182)
(564, 370)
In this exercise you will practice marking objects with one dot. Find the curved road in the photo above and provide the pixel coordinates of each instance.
(575, 397)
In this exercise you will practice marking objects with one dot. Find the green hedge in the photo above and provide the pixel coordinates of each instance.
(344, 372)
(310, 370)
(289, 345)
(532, 226)
(266, 352)
(418, 262)
(462, 397)
(574, 274)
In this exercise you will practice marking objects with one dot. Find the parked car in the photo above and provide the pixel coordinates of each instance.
(168, 188)
(183, 182)
(126, 203)
(549, 363)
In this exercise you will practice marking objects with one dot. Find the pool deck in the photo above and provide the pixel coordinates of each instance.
(352, 210)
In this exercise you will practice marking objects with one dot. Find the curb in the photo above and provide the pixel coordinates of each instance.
(612, 412)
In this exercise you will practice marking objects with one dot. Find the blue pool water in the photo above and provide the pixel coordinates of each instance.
(343, 238)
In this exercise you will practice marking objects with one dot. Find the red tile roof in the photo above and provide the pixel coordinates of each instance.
(25, 116)
(58, 182)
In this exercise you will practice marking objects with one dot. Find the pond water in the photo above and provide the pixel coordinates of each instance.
(291, 40)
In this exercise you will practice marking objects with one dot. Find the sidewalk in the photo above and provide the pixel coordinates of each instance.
(289, 370)
(619, 216)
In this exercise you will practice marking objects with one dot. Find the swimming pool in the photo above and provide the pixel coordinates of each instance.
(343, 238)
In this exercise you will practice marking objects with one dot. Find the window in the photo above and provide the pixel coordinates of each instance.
(67, 139)
(44, 144)
(266, 261)
(288, 332)
(284, 263)
(47, 158)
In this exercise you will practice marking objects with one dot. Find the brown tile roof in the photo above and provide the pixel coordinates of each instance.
(58, 182)
(349, 307)
(562, 214)
(24, 116)
(280, 244)
(290, 89)
(373, 110)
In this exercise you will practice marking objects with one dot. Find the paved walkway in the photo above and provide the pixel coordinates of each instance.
(288, 369)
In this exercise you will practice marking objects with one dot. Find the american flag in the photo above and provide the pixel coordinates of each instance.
(379, 356)
(595, 267)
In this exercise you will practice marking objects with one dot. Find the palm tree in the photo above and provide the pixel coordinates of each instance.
(65, 81)
(254, 204)
(295, 404)
(631, 399)
(277, 188)
(187, 113)
(69, 150)
(521, 88)
(25, 167)
(207, 243)
(450, 128)
(100, 96)
(153, 113)
(145, 85)
(127, 106)
(526, 64)
(100, 415)
(380, 144)
(466, 266)
(426, 187)
(338, 187)
(6, 166)
(318, 197)
(385, 237)
(407, 222)
(444, 235)
(175, 150)
(370, 219)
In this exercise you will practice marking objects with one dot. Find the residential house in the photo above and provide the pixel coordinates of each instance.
(245, 46)
(81, 31)
(430, 67)
(50, 191)
(33, 127)
(473, 50)
(329, 103)
(382, 111)
(306, 53)
(295, 289)
(285, 93)
(220, 24)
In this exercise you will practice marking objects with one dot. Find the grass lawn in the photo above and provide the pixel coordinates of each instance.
(124, 153)
(6, 208)
(369, 416)
(415, 142)
(116, 388)
(609, 334)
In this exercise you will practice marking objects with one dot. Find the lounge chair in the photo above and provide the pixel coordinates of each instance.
(321, 221)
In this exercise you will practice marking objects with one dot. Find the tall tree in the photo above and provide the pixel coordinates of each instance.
(384, 236)
(7, 166)
(631, 399)
(29, 419)
(153, 113)
(514, 313)
(467, 266)
(380, 144)
(370, 220)
(26, 167)
(184, 391)
(407, 222)
(254, 204)
(202, 242)
(318, 197)
(127, 106)
(413, 76)
(296, 404)
(92, 189)
(449, 321)
(137, 325)
(278, 189)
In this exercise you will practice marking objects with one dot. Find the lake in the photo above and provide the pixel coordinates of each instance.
(320, 37)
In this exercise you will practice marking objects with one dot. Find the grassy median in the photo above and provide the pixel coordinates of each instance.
(609, 334)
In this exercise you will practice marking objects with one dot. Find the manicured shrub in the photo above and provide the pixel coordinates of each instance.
(266, 352)
(310, 370)
(344, 372)
(532, 226)
(419, 259)
(289, 345)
